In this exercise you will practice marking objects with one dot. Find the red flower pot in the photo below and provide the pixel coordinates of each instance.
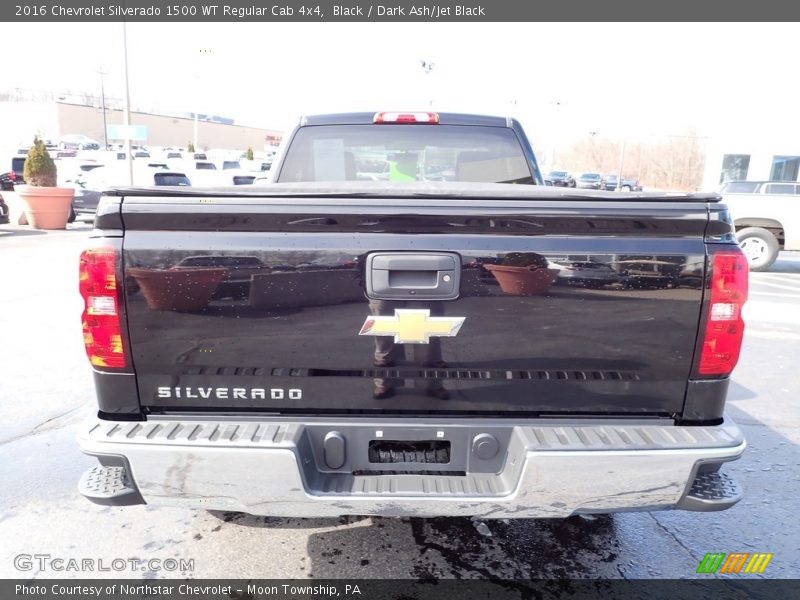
(523, 281)
(46, 207)
(184, 289)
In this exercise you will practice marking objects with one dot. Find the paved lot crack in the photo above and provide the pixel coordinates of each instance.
(673, 536)
(38, 427)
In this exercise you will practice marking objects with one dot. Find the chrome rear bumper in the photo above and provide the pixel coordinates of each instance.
(543, 468)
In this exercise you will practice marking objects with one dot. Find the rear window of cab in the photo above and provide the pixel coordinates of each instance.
(405, 153)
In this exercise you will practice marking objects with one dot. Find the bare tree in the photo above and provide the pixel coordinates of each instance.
(671, 163)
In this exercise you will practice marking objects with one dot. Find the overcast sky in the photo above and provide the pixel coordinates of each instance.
(561, 80)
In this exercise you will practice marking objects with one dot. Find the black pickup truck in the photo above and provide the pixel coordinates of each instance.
(456, 340)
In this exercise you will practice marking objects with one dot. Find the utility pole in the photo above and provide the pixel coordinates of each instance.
(621, 166)
(199, 74)
(127, 107)
(555, 121)
(427, 66)
(103, 99)
(194, 136)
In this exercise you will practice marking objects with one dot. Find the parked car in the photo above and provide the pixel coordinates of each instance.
(89, 186)
(4, 218)
(590, 181)
(586, 274)
(628, 185)
(14, 176)
(77, 141)
(71, 169)
(201, 173)
(237, 177)
(560, 179)
(117, 175)
(240, 270)
(633, 185)
(760, 187)
(230, 164)
(767, 218)
(84, 199)
(102, 157)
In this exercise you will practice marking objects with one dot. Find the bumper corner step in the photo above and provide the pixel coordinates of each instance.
(109, 486)
(711, 492)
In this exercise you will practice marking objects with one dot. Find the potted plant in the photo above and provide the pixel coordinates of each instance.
(182, 289)
(46, 205)
(523, 274)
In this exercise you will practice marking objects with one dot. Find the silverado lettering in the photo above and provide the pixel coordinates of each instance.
(407, 321)
(232, 393)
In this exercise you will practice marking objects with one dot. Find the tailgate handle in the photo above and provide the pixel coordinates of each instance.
(413, 275)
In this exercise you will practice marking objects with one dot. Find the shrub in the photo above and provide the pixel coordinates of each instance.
(190, 147)
(249, 154)
(525, 259)
(39, 170)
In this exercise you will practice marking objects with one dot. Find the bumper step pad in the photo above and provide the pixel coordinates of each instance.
(712, 491)
(110, 486)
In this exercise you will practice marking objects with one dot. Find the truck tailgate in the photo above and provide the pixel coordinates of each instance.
(256, 304)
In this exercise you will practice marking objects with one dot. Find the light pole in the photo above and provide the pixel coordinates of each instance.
(554, 120)
(127, 107)
(621, 166)
(103, 100)
(194, 134)
(198, 76)
(427, 66)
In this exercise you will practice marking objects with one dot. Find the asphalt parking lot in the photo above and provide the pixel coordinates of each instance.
(46, 391)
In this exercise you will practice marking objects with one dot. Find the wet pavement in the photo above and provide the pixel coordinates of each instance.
(46, 392)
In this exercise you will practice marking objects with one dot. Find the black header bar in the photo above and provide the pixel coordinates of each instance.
(311, 11)
(741, 588)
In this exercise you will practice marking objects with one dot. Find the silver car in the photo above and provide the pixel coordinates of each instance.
(590, 181)
(77, 141)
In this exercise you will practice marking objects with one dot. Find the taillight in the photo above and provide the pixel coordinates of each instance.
(12, 175)
(423, 118)
(102, 330)
(724, 327)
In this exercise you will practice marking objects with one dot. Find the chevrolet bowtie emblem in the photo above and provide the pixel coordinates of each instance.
(412, 326)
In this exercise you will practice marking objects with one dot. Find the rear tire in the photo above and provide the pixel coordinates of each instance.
(759, 245)
(72, 215)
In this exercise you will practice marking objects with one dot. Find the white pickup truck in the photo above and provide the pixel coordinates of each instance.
(767, 218)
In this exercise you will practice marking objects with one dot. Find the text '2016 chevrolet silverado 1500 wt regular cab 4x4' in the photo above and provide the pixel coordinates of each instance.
(406, 322)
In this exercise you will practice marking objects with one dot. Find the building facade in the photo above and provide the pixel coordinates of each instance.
(762, 155)
(20, 121)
